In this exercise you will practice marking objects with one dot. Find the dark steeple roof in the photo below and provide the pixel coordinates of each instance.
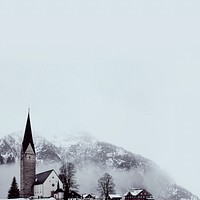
(28, 139)
(58, 188)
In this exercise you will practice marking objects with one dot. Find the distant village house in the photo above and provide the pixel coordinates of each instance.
(74, 195)
(138, 194)
(88, 196)
(114, 197)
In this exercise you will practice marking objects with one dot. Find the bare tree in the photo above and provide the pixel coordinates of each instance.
(106, 185)
(68, 177)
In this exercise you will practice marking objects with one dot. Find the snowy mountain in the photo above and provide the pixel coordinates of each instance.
(92, 158)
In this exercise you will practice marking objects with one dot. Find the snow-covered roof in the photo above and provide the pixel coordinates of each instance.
(134, 192)
(88, 196)
(16, 198)
(114, 196)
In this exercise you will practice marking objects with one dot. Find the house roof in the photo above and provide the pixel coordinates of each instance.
(41, 177)
(114, 196)
(74, 194)
(88, 196)
(134, 192)
(28, 139)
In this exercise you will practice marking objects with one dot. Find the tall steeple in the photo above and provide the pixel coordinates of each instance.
(28, 162)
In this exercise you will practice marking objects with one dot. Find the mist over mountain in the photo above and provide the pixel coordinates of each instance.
(92, 158)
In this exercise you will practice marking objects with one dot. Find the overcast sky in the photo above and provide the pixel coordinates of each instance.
(125, 71)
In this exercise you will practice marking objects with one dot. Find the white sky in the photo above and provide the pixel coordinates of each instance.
(125, 71)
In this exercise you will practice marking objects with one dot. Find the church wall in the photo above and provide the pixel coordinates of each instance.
(38, 190)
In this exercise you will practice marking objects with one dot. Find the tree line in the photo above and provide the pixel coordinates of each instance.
(67, 175)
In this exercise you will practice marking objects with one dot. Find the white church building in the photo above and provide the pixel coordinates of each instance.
(48, 184)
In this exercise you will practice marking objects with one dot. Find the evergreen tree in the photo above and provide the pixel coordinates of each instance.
(13, 191)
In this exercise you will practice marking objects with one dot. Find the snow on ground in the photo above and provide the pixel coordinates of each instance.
(29, 198)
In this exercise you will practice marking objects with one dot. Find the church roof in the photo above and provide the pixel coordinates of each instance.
(41, 177)
(28, 139)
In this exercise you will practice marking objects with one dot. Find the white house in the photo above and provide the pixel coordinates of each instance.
(114, 197)
(46, 184)
(140, 194)
(88, 196)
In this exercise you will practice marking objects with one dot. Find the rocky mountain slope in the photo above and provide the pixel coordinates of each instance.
(129, 170)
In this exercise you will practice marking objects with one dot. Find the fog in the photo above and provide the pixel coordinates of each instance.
(87, 178)
(7, 174)
(154, 180)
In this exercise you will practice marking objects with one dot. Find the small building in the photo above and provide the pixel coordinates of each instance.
(46, 184)
(74, 195)
(88, 196)
(138, 194)
(59, 193)
(114, 197)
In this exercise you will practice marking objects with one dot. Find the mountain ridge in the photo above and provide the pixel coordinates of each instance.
(85, 150)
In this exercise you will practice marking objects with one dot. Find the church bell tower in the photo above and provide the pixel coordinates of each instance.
(27, 162)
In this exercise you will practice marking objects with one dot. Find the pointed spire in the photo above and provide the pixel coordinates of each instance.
(28, 139)
(58, 186)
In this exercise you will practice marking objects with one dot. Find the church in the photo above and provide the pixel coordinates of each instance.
(45, 184)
